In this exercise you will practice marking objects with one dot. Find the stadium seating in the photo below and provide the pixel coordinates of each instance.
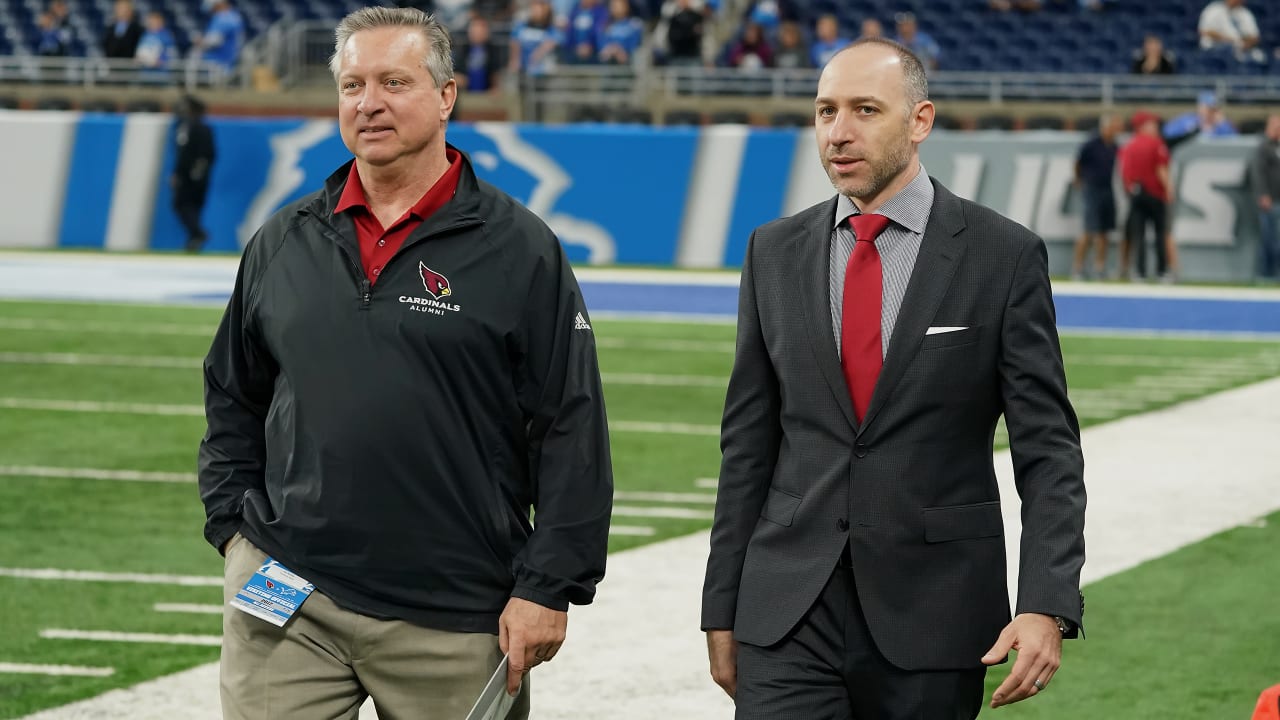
(18, 30)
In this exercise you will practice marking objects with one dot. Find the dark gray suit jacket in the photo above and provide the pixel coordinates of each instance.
(913, 490)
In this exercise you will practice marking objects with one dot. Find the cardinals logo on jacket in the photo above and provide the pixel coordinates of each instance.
(434, 282)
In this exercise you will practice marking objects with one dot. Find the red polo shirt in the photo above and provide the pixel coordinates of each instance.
(1139, 161)
(378, 244)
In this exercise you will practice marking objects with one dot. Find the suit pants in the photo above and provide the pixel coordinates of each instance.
(327, 660)
(828, 668)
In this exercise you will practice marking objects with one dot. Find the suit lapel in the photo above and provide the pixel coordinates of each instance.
(814, 252)
(940, 253)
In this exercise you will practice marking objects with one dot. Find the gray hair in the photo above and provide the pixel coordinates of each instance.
(439, 58)
(914, 81)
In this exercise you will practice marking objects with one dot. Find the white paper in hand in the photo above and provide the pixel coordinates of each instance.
(494, 702)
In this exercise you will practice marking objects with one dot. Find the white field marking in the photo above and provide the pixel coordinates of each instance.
(129, 361)
(667, 497)
(189, 608)
(707, 483)
(703, 346)
(95, 474)
(95, 576)
(1163, 362)
(88, 406)
(111, 636)
(666, 317)
(661, 512)
(709, 381)
(633, 530)
(664, 428)
(1153, 334)
(74, 670)
(40, 324)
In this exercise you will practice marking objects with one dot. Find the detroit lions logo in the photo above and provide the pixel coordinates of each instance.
(435, 283)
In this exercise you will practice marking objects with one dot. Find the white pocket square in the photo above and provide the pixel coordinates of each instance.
(944, 329)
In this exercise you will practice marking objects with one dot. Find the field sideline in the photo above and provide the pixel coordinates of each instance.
(1180, 452)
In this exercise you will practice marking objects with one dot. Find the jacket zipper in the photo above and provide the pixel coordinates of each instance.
(366, 287)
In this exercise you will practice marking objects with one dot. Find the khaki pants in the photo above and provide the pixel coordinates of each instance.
(326, 660)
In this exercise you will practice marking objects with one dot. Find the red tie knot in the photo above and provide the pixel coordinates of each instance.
(868, 227)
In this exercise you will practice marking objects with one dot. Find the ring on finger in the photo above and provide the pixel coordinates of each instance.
(1039, 685)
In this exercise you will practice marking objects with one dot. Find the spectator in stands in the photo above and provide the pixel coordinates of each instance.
(917, 41)
(1208, 120)
(1227, 25)
(622, 36)
(767, 14)
(120, 39)
(1144, 167)
(223, 37)
(828, 40)
(792, 52)
(1264, 174)
(1152, 58)
(1007, 5)
(478, 58)
(50, 39)
(534, 41)
(1095, 168)
(61, 12)
(681, 33)
(586, 21)
(190, 180)
(871, 28)
(751, 51)
(156, 49)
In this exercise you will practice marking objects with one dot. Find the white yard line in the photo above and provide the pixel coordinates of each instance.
(640, 530)
(664, 428)
(90, 406)
(130, 361)
(95, 576)
(675, 513)
(187, 608)
(80, 328)
(109, 636)
(720, 382)
(72, 670)
(692, 346)
(665, 497)
(95, 474)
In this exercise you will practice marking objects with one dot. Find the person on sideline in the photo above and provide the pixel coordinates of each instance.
(1144, 167)
(1095, 168)
(405, 368)
(192, 168)
(857, 568)
(1264, 175)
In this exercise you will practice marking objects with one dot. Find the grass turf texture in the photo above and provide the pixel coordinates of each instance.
(1184, 629)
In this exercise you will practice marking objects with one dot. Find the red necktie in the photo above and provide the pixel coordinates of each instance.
(860, 353)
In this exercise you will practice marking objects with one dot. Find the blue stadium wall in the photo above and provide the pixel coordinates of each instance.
(614, 194)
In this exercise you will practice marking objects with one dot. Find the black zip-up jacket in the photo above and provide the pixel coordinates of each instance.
(387, 441)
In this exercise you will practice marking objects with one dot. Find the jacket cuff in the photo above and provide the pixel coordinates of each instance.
(524, 592)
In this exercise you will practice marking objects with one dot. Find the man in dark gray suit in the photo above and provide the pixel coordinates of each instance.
(857, 568)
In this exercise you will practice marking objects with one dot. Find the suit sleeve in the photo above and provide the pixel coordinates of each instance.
(750, 435)
(1044, 441)
(239, 377)
(568, 439)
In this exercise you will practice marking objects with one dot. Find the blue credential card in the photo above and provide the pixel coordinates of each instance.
(273, 594)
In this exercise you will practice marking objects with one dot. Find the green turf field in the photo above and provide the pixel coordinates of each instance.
(101, 417)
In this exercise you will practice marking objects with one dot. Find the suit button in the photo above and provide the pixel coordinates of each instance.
(860, 450)
(842, 524)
